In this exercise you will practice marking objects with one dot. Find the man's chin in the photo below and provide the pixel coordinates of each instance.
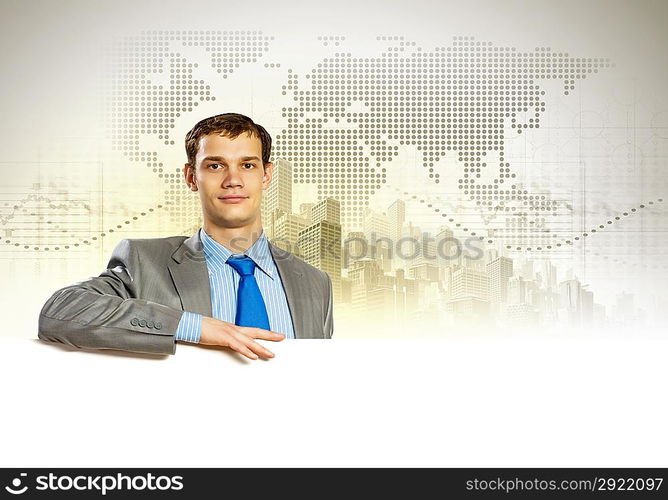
(231, 222)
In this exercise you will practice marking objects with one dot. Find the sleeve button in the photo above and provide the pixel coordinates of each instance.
(158, 325)
(150, 324)
(134, 321)
(142, 322)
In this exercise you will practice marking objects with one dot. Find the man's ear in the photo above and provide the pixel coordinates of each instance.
(267, 175)
(189, 175)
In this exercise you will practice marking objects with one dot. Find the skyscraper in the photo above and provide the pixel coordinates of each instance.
(375, 224)
(355, 247)
(277, 198)
(396, 215)
(468, 282)
(279, 192)
(320, 242)
(286, 232)
(499, 271)
(328, 209)
(570, 301)
(305, 210)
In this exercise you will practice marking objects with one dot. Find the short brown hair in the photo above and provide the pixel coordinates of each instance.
(230, 125)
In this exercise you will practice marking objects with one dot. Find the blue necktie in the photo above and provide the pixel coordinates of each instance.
(251, 310)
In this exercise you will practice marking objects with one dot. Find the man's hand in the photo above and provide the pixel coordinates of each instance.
(238, 338)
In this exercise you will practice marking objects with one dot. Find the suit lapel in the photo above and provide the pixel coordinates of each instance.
(292, 284)
(191, 276)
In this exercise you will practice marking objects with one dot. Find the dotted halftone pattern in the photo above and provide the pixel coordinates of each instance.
(458, 100)
(556, 242)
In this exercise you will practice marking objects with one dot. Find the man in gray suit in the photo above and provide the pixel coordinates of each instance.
(158, 291)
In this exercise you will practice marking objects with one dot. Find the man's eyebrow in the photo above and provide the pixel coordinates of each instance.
(220, 158)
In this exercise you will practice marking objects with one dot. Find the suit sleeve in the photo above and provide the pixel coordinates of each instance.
(104, 312)
(329, 315)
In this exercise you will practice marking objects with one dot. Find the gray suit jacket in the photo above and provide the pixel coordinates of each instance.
(137, 302)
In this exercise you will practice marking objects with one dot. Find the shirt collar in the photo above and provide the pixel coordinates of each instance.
(216, 254)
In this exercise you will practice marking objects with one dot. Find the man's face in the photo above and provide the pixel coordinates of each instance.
(230, 167)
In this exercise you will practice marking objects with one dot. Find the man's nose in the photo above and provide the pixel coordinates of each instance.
(232, 178)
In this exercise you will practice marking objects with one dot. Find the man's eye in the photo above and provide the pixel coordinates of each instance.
(251, 164)
(214, 165)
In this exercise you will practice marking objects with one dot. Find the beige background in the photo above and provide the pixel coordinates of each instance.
(602, 148)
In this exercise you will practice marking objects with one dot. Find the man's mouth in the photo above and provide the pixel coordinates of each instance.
(232, 198)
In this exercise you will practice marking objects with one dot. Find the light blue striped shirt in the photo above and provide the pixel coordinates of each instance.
(224, 281)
